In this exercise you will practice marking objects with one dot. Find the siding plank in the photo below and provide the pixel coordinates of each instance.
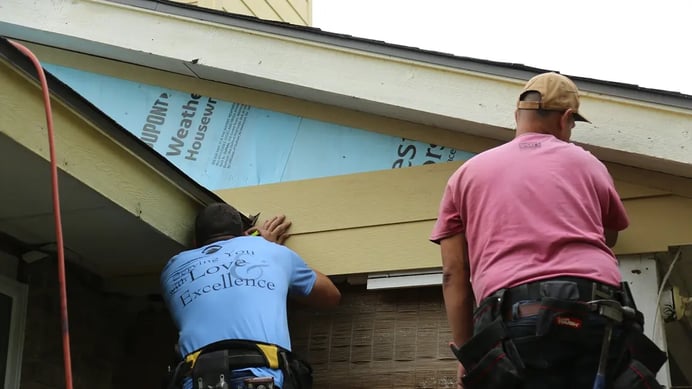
(287, 13)
(234, 6)
(303, 8)
(656, 223)
(261, 9)
(364, 199)
(349, 201)
(401, 246)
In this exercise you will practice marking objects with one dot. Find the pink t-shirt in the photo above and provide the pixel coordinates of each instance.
(531, 209)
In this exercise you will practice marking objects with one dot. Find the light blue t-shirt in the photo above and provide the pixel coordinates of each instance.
(234, 289)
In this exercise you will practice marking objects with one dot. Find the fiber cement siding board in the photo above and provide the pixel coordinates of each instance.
(213, 4)
(286, 12)
(380, 221)
(349, 201)
(401, 246)
(655, 224)
(364, 199)
(262, 9)
(231, 6)
(628, 190)
(303, 8)
(234, 6)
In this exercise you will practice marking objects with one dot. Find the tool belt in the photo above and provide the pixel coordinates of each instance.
(491, 359)
(565, 288)
(215, 363)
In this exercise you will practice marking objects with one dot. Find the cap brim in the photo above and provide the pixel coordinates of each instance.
(579, 118)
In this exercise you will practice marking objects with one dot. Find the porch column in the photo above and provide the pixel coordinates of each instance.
(640, 271)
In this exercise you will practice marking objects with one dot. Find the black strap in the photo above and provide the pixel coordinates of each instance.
(644, 350)
(588, 290)
(473, 350)
(181, 370)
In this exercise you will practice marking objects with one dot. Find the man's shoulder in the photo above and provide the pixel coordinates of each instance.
(181, 257)
(489, 156)
(581, 154)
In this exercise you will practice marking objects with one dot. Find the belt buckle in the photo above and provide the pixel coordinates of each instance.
(259, 383)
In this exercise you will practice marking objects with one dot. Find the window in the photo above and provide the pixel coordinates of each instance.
(12, 319)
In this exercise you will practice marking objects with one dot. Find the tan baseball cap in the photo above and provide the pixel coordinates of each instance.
(558, 93)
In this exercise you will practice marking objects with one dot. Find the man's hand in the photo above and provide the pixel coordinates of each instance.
(460, 373)
(274, 230)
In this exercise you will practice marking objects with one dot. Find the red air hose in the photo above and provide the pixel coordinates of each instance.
(56, 210)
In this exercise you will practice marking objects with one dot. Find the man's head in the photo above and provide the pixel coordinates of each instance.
(216, 222)
(549, 103)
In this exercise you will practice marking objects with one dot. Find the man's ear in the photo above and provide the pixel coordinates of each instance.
(567, 119)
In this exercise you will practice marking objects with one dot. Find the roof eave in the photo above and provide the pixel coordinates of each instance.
(471, 96)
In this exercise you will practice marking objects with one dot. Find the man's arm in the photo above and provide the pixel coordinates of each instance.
(324, 293)
(457, 292)
(456, 288)
(611, 237)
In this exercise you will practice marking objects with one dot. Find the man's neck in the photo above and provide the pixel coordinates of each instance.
(218, 239)
(520, 132)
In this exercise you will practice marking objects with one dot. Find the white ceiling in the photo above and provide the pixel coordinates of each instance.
(97, 233)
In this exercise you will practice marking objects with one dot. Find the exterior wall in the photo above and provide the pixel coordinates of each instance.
(297, 12)
(112, 345)
(382, 339)
(377, 339)
(374, 339)
(390, 214)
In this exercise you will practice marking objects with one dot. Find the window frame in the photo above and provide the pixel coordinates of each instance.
(18, 292)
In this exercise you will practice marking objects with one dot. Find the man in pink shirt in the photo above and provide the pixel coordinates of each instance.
(532, 219)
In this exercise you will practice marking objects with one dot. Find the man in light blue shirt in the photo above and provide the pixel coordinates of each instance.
(235, 286)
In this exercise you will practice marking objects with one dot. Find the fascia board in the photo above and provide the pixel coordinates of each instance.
(476, 103)
(96, 159)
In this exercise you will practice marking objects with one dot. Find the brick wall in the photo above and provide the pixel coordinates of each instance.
(374, 339)
(377, 339)
(108, 333)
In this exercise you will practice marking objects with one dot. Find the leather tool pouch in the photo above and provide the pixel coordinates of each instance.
(298, 375)
(644, 350)
(636, 376)
(491, 359)
(210, 369)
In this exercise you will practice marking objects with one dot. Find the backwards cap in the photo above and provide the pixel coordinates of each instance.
(558, 93)
(217, 219)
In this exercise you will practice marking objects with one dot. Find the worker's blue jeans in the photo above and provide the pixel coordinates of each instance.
(564, 358)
